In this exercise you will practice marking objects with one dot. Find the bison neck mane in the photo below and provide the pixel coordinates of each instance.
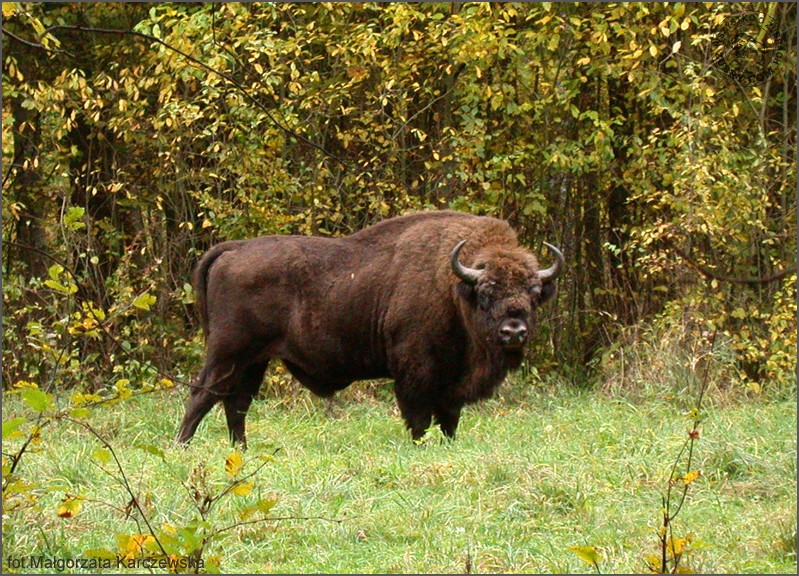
(490, 365)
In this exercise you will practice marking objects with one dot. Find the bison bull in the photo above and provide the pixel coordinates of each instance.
(442, 302)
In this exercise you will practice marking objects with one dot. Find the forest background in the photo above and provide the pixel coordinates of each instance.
(654, 143)
(135, 136)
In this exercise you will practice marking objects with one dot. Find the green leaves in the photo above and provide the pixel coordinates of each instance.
(475, 116)
(102, 455)
(36, 399)
(11, 426)
(588, 554)
(738, 313)
(262, 507)
(144, 301)
(152, 449)
(73, 218)
(65, 286)
(243, 488)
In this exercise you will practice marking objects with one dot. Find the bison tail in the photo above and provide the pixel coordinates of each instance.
(200, 279)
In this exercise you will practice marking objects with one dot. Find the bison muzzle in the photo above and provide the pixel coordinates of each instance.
(442, 302)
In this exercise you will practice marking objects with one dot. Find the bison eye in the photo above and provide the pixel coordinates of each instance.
(535, 290)
(484, 300)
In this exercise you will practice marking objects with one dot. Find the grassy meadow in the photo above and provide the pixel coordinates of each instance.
(533, 472)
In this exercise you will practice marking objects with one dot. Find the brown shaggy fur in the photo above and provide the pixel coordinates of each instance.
(383, 302)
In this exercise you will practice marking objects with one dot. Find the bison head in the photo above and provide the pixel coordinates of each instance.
(504, 288)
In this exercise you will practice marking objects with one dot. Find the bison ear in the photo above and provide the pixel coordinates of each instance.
(467, 292)
(548, 290)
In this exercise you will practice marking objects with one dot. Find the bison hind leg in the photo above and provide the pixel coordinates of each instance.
(200, 403)
(201, 400)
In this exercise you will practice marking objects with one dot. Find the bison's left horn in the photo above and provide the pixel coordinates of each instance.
(553, 271)
(468, 275)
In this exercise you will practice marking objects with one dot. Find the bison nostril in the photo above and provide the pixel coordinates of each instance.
(514, 333)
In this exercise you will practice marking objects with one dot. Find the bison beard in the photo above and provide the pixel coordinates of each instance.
(443, 302)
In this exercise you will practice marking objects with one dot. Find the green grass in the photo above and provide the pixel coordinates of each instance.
(530, 474)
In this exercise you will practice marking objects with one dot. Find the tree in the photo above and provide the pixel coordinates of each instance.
(614, 132)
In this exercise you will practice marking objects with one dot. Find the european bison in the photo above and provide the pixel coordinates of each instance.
(442, 302)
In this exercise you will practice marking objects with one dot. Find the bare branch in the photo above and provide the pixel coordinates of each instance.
(36, 45)
(123, 480)
(723, 278)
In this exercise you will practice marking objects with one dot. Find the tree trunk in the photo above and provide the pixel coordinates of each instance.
(27, 187)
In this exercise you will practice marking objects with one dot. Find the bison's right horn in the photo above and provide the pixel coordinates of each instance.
(468, 275)
(553, 271)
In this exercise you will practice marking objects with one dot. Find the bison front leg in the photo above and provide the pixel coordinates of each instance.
(417, 412)
(448, 418)
(237, 403)
(235, 413)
